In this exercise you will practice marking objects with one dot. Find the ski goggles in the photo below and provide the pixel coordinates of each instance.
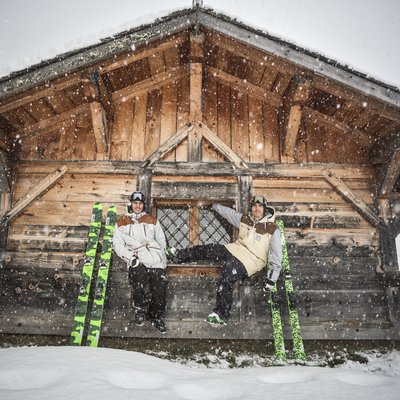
(137, 196)
(258, 199)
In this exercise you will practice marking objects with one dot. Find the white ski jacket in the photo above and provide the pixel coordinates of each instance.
(142, 236)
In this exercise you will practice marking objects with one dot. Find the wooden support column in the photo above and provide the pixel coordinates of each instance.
(5, 173)
(391, 174)
(292, 131)
(245, 190)
(196, 84)
(296, 96)
(143, 184)
(5, 204)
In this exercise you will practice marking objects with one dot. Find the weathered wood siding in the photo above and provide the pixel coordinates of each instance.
(285, 124)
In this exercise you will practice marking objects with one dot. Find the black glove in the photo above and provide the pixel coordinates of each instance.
(268, 286)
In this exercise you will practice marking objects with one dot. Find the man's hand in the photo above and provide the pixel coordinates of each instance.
(133, 262)
(268, 286)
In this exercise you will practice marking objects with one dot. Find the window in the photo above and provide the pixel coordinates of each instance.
(191, 224)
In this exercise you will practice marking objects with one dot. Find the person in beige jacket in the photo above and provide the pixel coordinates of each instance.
(258, 245)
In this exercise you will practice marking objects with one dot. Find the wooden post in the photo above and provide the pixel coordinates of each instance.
(196, 84)
(245, 189)
(5, 173)
(144, 186)
(391, 174)
(295, 98)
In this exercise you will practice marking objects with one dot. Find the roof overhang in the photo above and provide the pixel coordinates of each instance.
(185, 19)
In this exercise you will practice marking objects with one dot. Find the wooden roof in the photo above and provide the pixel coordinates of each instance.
(309, 92)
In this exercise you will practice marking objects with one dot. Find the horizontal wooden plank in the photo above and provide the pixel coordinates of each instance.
(271, 170)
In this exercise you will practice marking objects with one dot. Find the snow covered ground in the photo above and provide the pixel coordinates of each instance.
(62, 373)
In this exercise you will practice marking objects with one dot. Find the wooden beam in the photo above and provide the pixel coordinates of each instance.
(100, 129)
(220, 146)
(97, 91)
(357, 97)
(292, 131)
(7, 105)
(167, 146)
(170, 75)
(391, 175)
(43, 186)
(270, 170)
(130, 58)
(245, 87)
(52, 121)
(315, 116)
(357, 203)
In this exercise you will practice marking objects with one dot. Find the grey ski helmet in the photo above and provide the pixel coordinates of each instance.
(136, 196)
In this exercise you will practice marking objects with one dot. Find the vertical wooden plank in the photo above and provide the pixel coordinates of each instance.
(156, 63)
(153, 122)
(84, 146)
(66, 145)
(210, 116)
(224, 114)
(139, 127)
(168, 116)
(271, 133)
(143, 184)
(292, 131)
(194, 218)
(256, 134)
(239, 124)
(121, 137)
(99, 129)
(182, 116)
(245, 189)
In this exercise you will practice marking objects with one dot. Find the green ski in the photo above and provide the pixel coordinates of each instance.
(102, 278)
(86, 276)
(277, 332)
(298, 347)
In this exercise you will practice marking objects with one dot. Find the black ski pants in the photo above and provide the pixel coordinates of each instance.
(232, 271)
(149, 290)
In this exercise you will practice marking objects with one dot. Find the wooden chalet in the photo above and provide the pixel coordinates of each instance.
(194, 109)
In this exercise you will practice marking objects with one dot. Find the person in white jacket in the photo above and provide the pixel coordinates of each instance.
(140, 241)
(258, 245)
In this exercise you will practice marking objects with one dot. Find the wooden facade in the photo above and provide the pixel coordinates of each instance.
(197, 108)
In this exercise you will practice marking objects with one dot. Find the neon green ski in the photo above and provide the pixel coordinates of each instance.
(277, 331)
(102, 278)
(86, 276)
(298, 347)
